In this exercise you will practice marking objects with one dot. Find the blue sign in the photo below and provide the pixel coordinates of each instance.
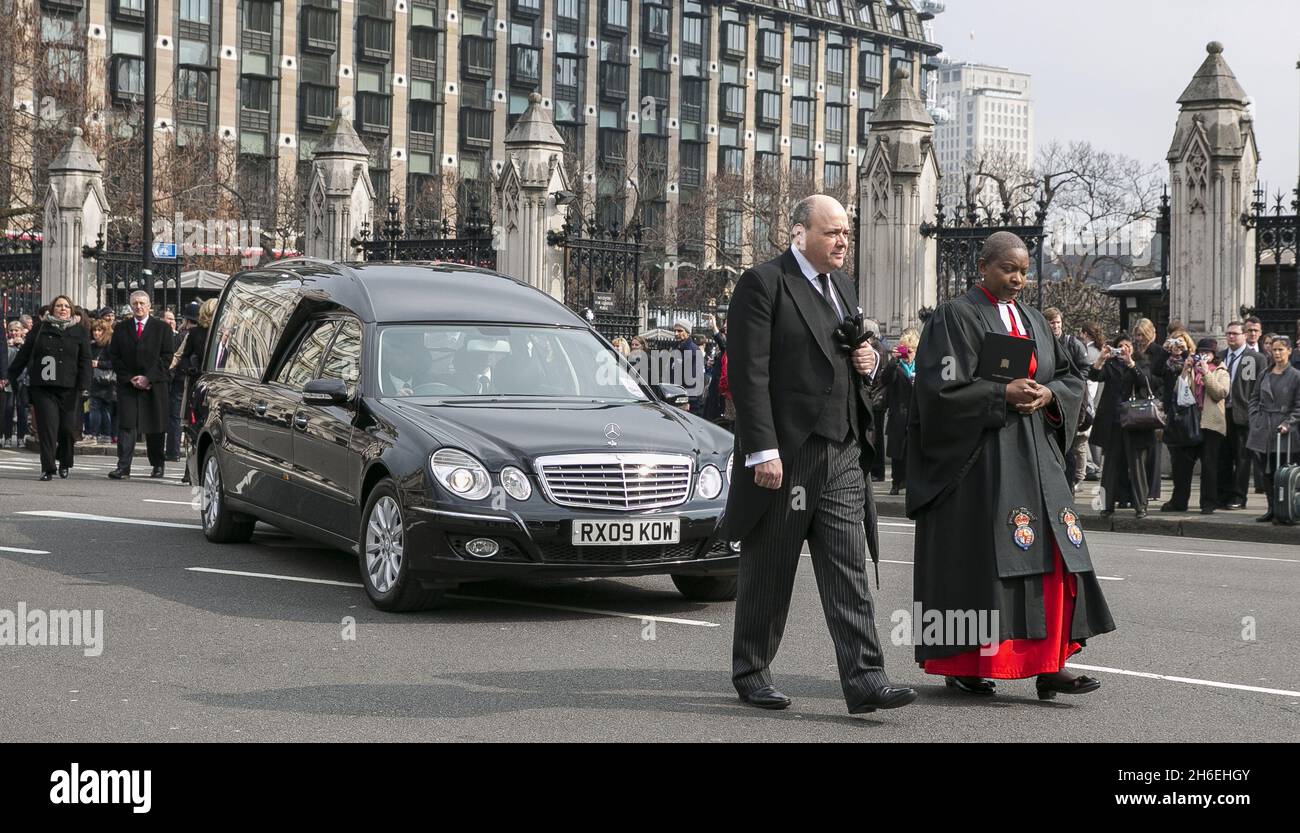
(164, 251)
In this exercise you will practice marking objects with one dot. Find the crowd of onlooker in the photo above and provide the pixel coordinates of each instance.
(97, 405)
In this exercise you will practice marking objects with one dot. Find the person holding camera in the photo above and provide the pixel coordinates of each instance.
(1200, 388)
(1126, 467)
(896, 380)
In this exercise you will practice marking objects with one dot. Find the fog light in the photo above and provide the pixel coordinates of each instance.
(482, 548)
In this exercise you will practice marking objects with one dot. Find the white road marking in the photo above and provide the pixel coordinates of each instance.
(593, 611)
(909, 563)
(274, 576)
(194, 504)
(25, 552)
(1189, 680)
(1109, 578)
(1223, 555)
(894, 523)
(78, 516)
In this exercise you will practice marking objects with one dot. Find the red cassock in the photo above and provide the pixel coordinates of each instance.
(1020, 658)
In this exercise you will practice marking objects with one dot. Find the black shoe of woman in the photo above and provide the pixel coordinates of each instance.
(47, 476)
(977, 686)
(1050, 685)
(63, 473)
(1266, 517)
(893, 490)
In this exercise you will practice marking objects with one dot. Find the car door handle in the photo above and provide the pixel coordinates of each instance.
(300, 421)
(260, 409)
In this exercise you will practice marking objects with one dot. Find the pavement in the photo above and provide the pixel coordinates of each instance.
(274, 640)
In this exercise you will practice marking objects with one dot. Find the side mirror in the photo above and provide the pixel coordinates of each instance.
(673, 395)
(325, 392)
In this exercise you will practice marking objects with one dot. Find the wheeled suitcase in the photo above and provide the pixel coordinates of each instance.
(1286, 486)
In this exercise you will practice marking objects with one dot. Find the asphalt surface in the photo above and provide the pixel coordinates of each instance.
(193, 655)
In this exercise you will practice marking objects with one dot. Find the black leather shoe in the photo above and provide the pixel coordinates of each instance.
(893, 490)
(1235, 505)
(1050, 685)
(1140, 513)
(174, 458)
(978, 686)
(1266, 517)
(766, 697)
(63, 472)
(157, 472)
(1209, 510)
(885, 697)
(118, 474)
(1168, 506)
(47, 476)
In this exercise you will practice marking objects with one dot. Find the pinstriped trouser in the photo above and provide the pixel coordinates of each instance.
(831, 521)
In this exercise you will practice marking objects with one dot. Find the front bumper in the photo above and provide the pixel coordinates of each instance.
(535, 541)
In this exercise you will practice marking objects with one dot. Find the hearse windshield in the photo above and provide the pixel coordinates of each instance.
(471, 360)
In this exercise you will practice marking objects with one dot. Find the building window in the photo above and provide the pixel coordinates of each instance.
(658, 23)
(834, 174)
(769, 47)
(734, 41)
(732, 161)
(196, 11)
(255, 94)
(616, 15)
(423, 117)
(869, 66)
(732, 102)
(193, 53)
(692, 163)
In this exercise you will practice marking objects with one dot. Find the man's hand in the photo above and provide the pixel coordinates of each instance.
(864, 359)
(1042, 398)
(140, 382)
(768, 475)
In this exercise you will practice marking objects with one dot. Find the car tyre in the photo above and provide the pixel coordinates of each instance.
(385, 569)
(221, 525)
(707, 588)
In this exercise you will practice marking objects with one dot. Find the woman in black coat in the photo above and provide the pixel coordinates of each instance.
(1125, 465)
(895, 379)
(57, 357)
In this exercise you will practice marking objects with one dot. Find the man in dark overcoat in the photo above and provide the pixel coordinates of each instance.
(141, 352)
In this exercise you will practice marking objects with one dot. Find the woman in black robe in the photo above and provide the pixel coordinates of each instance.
(1125, 469)
(997, 533)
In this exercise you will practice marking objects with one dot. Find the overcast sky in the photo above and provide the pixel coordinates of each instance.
(1110, 71)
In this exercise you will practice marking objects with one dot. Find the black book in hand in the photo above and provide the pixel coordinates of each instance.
(1005, 358)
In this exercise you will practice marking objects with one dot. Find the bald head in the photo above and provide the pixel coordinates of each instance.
(820, 230)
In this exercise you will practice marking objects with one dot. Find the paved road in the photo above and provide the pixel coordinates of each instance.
(195, 650)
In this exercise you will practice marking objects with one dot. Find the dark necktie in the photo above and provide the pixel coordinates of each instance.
(825, 281)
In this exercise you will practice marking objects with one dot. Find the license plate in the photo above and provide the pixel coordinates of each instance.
(631, 532)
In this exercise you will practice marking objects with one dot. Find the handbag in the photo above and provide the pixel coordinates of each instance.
(1142, 414)
(1184, 428)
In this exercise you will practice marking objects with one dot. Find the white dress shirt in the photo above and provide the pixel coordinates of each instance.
(811, 274)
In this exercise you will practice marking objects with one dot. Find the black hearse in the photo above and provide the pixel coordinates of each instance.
(449, 424)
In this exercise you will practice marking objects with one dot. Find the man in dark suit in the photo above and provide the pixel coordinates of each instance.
(141, 352)
(1245, 368)
(803, 418)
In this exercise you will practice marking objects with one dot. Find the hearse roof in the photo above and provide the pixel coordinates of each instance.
(415, 291)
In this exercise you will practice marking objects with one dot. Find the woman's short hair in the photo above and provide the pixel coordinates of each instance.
(910, 337)
(1000, 242)
(1284, 339)
(1093, 331)
(1121, 336)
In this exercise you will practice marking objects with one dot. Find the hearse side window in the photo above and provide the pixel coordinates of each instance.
(248, 326)
(302, 369)
(344, 359)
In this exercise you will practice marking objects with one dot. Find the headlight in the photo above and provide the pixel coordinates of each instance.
(515, 482)
(460, 473)
(709, 484)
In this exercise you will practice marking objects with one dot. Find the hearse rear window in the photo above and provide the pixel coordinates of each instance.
(248, 325)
